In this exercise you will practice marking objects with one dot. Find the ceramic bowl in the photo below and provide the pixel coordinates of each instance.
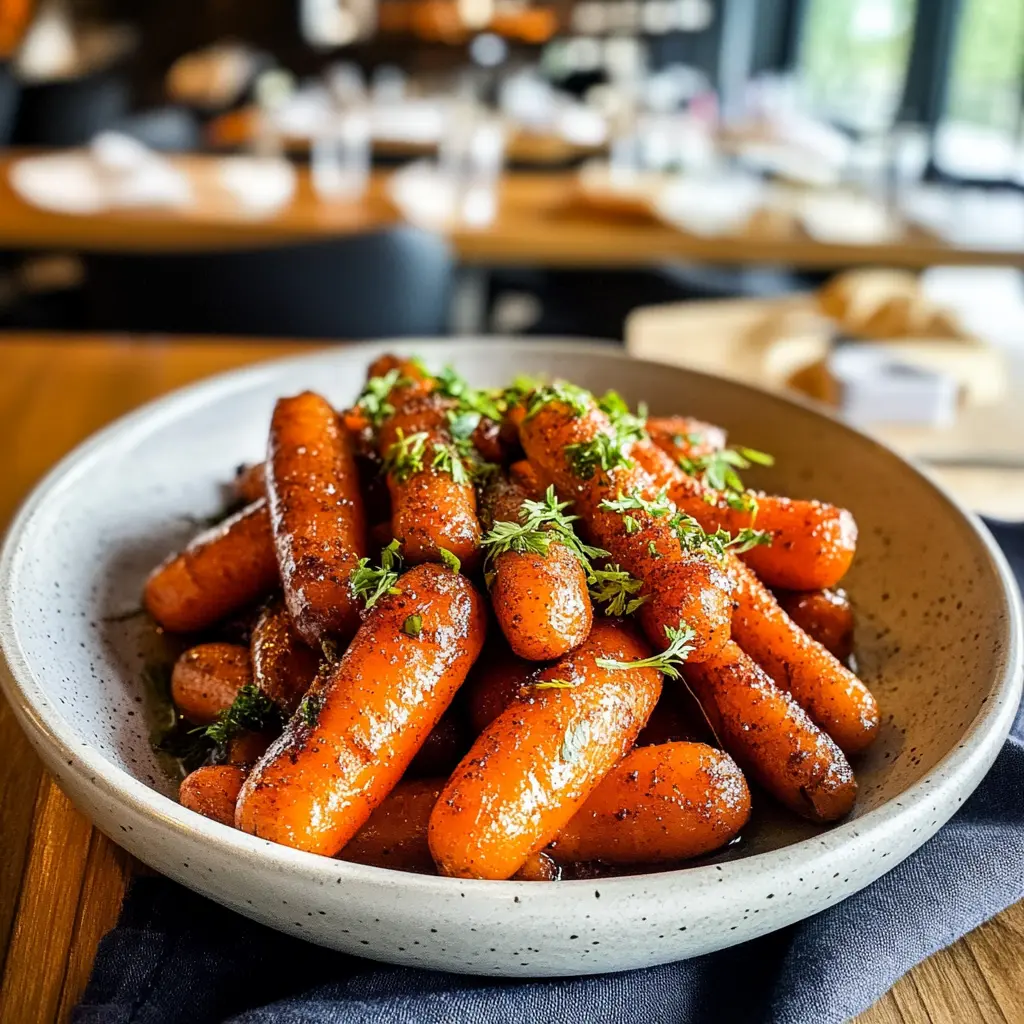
(938, 636)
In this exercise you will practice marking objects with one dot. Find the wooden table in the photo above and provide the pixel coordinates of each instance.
(61, 881)
(540, 222)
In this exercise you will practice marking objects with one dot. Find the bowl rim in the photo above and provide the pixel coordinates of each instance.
(55, 738)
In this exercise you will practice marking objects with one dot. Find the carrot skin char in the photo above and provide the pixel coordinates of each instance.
(316, 513)
(771, 737)
(212, 791)
(537, 762)
(321, 780)
(223, 570)
(659, 803)
(206, 679)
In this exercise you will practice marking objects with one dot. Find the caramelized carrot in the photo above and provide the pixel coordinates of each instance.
(360, 725)
(539, 597)
(813, 543)
(251, 482)
(661, 803)
(433, 507)
(248, 747)
(824, 615)
(496, 681)
(538, 867)
(771, 737)
(212, 791)
(538, 761)
(283, 665)
(206, 679)
(221, 571)
(682, 588)
(316, 512)
(524, 474)
(395, 834)
(827, 690)
(685, 437)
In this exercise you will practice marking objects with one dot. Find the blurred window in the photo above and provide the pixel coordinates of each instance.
(853, 59)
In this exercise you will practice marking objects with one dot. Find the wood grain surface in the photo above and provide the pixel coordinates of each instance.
(61, 882)
(541, 221)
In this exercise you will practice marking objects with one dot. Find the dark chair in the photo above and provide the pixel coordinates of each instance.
(8, 102)
(70, 113)
(386, 284)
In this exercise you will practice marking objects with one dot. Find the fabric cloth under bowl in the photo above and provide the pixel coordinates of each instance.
(176, 957)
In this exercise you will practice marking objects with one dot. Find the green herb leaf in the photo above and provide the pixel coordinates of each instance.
(541, 523)
(717, 470)
(370, 583)
(251, 711)
(309, 709)
(604, 451)
(552, 684)
(462, 423)
(405, 455)
(668, 661)
(616, 590)
(413, 625)
(446, 460)
(373, 400)
(577, 737)
(578, 399)
(628, 427)
(450, 383)
(659, 506)
(452, 561)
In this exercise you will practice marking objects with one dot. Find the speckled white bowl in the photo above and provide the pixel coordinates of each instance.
(939, 636)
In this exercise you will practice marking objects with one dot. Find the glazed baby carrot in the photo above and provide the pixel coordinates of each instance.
(433, 502)
(573, 442)
(771, 737)
(661, 803)
(812, 542)
(535, 572)
(685, 437)
(538, 761)
(283, 664)
(830, 693)
(524, 474)
(496, 680)
(824, 615)
(206, 679)
(246, 748)
(221, 571)
(316, 513)
(395, 834)
(251, 482)
(360, 725)
(212, 791)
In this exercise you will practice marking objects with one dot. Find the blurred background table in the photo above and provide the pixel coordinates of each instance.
(61, 882)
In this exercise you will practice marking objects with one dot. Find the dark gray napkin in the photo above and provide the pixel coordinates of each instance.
(176, 957)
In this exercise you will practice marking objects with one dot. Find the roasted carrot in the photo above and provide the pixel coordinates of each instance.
(248, 747)
(681, 588)
(496, 680)
(827, 690)
(771, 737)
(360, 725)
(206, 679)
(659, 803)
(538, 867)
(395, 834)
(251, 482)
(221, 571)
(524, 474)
(536, 579)
(316, 513)
(212, 791)
(538, 761)
(685, 437)
(283, 664)
(824, 615)
(812, 542)
(433, 502)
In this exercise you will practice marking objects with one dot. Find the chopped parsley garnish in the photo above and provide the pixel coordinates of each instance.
(616, 590)
(604, 451)
(370, 583)
(405, 454)
(552, 684)
(251, 711)
(447, 460)
(450, 560)
(578, 399)
(308, 712)
(373, 401)
(668, 661)
(541, 523)
(452, 384)
(413, 625)
(628, 427)
(717, 470)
